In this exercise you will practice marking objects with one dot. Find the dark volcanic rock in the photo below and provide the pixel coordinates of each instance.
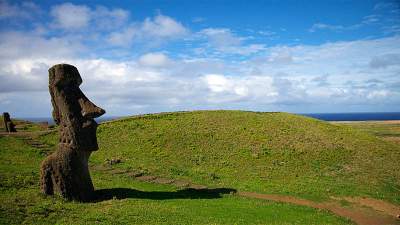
(66, 170)
(9, 126)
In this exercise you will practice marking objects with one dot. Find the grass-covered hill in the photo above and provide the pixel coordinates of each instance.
(262, 152)
(275, 153)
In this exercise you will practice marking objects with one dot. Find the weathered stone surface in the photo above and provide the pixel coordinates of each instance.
(9, 126)
(66, 170)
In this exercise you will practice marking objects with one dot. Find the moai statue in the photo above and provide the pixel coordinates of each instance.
(66, 170)
(9, 126)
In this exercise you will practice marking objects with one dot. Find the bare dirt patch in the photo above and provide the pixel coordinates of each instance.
(395, 140)
(377, 212)
(370, 122)
(376, 204)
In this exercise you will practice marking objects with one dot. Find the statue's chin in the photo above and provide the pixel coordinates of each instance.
(87, 136)
(90, 146)
(93, 148)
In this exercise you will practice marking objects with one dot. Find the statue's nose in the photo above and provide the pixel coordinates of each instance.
(89, 109)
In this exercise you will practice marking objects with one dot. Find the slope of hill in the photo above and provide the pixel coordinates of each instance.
(270, 153)
(263, 152)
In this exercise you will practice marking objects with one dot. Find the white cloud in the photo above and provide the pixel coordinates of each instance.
(244, 88)
(218, 83)
(378, 94)
(107, 19)
(71, 17)
(163, 26)
(371, 19)
(254, 77)
(152, 31)
(323, 26)
(267, 33)
(16, 45)
(155, 59)
(124, 37)
(280, 56)
(225, 41)
(341, 59)
(366, 21)
(23, 10)
(287, 76)
(221, 37)
(385, 17)
(383, 61)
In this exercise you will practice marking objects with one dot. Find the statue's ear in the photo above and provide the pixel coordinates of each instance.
(56, 117)
(56, 112)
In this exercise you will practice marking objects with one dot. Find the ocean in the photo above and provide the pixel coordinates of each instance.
(367, 116)
(321, 116)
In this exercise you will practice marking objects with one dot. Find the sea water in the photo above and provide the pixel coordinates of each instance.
(321, 116)
(355, 116)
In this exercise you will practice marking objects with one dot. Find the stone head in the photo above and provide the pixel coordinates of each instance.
(6, 116)
(72, 110)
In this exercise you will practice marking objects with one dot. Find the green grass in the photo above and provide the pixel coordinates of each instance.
(262, 152)
(133, 202)
(22, 125)
(377, 128)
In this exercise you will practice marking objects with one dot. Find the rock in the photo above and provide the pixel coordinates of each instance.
(9, 126)
(135, 174)
(66, 170)
(44, 124)
(113, 161)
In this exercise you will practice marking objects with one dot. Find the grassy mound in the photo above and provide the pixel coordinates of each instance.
(130, 201)
(263, 152)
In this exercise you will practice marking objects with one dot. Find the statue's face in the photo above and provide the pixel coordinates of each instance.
(73, 111)
(85, 112)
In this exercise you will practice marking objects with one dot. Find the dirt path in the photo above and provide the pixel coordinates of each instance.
(363, 211)
(26, 133)
(31, 139)
(369, 121)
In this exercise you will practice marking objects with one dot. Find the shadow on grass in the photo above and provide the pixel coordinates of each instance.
(189, 193)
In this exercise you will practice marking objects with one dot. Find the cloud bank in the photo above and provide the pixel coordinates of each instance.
(215, 68)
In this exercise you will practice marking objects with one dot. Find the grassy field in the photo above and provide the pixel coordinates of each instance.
(22, 125)
(130, 201)
(275, 153)
(387, 130)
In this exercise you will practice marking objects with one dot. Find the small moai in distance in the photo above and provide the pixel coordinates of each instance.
(9, 126)
(66, 170)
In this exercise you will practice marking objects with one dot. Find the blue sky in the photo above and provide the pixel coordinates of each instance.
(151, 56)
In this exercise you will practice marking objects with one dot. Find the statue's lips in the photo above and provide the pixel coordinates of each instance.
(89, 124)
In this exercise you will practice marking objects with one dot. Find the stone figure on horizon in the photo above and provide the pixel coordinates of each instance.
(9, 126)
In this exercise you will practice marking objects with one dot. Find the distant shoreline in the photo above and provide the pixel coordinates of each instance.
(369, 121)
(370, 116)
(329, 117)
